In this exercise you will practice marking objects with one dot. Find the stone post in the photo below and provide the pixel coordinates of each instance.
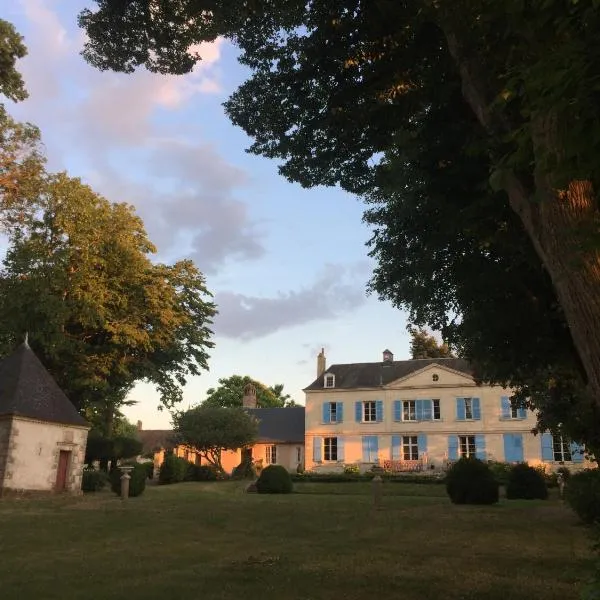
(377, 486)
(125, 477)
(561, 485)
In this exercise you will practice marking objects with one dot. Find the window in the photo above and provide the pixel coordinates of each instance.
(271, 455)
(437, 415)
(468, 408)
(331, 448)
(369, 411)
(562, 449)
(333, 412)
(466, 446)
(329, 380)
(409, 412)
(370, 448)
(298, 454)
(410, 447)
(435, 377)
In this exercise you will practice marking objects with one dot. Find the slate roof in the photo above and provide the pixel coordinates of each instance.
(28, 390)
(378, 374)
(280, 425)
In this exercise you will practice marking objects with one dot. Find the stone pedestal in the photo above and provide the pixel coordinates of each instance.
(125, 478)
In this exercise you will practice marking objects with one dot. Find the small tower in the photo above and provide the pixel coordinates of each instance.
(321, 363)
(249, 399)
(388, 357)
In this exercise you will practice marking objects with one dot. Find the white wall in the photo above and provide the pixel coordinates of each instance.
(34, 452)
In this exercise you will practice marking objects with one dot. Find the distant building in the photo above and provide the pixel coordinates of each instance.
(42, 436)
(413, 415)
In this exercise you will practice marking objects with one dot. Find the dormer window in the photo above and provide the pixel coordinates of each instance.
(329, 380)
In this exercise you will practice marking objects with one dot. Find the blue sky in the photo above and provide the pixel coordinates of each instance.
(288, 266)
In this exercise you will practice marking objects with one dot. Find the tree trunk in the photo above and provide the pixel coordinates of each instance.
(561, 223)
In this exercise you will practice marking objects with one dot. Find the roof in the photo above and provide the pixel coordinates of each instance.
(280, 425)
(28, 390)
(154, 440)
(378, 374)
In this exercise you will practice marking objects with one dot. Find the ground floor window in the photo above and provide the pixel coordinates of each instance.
(298, 454)
(561, 448)
(271, 455)
(331, 448)
(410, 447)
(466, 446)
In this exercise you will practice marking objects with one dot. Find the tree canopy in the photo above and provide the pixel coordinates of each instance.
(211, 430)
(230, 392)
(424, 345)
(471, 129)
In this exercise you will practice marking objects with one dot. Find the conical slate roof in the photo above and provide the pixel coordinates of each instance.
(28, 390)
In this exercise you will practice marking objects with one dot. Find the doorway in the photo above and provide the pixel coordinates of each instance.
(64, 460)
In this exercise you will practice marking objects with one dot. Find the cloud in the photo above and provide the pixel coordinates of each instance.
(110, 126)
(334, 293)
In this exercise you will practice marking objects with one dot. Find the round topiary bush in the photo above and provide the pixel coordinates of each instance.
(173, 470)
(582, 493)
(93, 481)
(137, 483)
(470, 481)
(526, 483)
(274, 479)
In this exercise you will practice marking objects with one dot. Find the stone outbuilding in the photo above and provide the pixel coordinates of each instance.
(42, 436)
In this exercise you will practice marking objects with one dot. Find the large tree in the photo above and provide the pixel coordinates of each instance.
(230, 392)
(424, 345)
(339, 86)
(210, 430)
(336, 84)
(79, 278)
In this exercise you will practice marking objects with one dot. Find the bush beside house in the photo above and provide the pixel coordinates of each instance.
(470, 481)
(526, 483)
(274, 479)
(583, 495)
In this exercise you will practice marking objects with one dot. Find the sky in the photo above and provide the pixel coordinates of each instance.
(288, 267)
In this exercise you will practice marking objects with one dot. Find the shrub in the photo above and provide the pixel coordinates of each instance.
(582, 493)
(93, 481)
(526, 483)
(470, 481)
(149, 466)
(137, 483)
(173, 470)
(200, 473)
(565, 472)
(500, 470)
(274, 479)
(245, 470)
(351, 470)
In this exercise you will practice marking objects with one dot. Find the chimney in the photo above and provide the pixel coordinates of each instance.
(139, 425)
(249, 399)
(388, 357)
(321, 364)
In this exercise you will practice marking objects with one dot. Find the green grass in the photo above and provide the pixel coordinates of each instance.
(213, 541)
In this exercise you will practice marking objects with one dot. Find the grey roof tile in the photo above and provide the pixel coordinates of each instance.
(280, 425)
(28, 390)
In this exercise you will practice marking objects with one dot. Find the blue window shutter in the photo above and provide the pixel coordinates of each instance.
(358, 411)
(326, 412)
(518, 446)
(397, 410)
(317, 444)
(452, 447)
(476, 409)
(340, 448)
(460, 409)
(427, 410)
(576, 452)
(547, 447)
(422, 444)
(379, 410)
(505, 407)
(396, 441)
(522, 412)
(365, 448)
(480, 447)
(339, 411)
(508, 447)
(419, 410)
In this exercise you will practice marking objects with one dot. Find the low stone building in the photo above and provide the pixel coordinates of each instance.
(42, 436)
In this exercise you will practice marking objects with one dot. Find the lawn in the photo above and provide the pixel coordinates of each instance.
(213, 541)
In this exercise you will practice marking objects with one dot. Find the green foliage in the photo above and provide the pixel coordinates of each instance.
(458, 127)
(93, 481)
(527, 483)
(230, 392)
(202, 473)
(11, 49)
(137, 483)
(173, 470)
(149, 469)
(500, 470)
(245, 470)
(274, 479)
(101, 448)
(424, 345)
(470, 481)
(351, 470)
(582, 493)
(213, 429)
